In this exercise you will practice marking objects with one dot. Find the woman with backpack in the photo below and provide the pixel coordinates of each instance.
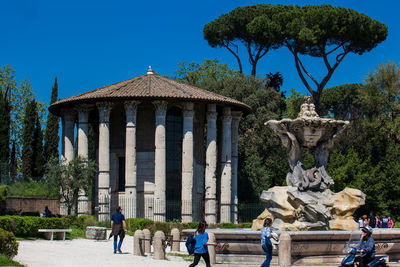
(200, 247)
(266, 241)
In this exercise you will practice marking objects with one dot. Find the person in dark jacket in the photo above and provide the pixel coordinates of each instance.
(366, 247)
(118, 228)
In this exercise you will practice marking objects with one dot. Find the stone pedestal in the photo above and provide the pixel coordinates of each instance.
(97, 233)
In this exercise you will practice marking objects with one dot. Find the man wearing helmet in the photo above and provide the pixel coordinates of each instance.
(366, 247)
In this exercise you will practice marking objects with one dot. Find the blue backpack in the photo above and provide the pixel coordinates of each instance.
(190, 243)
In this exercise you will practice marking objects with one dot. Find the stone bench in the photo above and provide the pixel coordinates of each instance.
(95, 232)
(60, 233)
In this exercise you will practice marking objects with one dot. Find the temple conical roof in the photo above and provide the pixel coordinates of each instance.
(148, 87)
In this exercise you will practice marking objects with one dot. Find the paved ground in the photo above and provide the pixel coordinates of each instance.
(91, 253)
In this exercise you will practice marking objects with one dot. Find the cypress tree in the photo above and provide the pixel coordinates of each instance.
(38, 151)
(4, 135)
(51, 137)
(4, 128)
(13, 162)
(27, 139)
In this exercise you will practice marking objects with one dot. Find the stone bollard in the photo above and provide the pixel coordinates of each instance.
(158, 244)
(211, 249)
(147, 242)
(285, 250)
(138, 246)
(176, 237)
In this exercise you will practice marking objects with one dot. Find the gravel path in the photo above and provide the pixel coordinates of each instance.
(87, 253)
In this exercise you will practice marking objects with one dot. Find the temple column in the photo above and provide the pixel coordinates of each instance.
(210, 204)
(226, 175)
(130, 157)
(160, 162)
(236, 115)
(104, 161)
(83, 128)
(68, 124)
(68, 131)
(187, 163)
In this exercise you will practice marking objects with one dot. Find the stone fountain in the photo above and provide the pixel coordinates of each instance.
(307, 203)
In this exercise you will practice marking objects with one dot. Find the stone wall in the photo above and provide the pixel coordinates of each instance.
(32, 204)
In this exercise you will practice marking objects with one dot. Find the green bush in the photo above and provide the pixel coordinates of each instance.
(8, 243)
(86, 220)
(228, 225)
(245, 225)
(29, 226)
(6, 261)
(134, 224)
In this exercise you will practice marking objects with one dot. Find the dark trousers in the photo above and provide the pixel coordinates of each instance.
(363, 261)
(197, 257)
(267, 247)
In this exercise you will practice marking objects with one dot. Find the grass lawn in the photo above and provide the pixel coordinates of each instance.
(6, 261)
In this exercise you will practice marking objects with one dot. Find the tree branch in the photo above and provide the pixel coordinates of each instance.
(303, 79)
(235, 54)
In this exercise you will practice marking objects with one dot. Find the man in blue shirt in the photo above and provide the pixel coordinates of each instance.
(366, 247)
(118, 226)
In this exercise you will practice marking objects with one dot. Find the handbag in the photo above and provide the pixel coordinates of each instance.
(190, 243)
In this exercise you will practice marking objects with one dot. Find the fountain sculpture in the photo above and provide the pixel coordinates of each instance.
(306, 202)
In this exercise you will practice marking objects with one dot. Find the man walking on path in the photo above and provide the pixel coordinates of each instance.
(118, 228)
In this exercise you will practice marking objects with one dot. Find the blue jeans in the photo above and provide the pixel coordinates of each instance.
(267, 247)
(115, 243)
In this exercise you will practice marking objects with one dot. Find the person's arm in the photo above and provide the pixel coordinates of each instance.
(124, 225)
(112, 223)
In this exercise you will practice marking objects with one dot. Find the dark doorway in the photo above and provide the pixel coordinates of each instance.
(174, 129)
(121, 174)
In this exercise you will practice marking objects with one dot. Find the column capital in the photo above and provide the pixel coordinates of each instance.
(131, 109)
(161, 108)
(236, 115)
(212, 115)
(83, 112)
(68, 114)
(212, 107)
(104, 111)
(188, 111)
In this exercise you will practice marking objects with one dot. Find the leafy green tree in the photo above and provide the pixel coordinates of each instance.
(38, 151)
(52, 127)
(20, 94)
(231, 29)
(293, 104)
(262, 159)
(325, 32)
(28, 140)
(4, 128)
(71, 177)
(13, 162)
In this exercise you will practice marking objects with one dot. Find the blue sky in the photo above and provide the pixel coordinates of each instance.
(88, 44)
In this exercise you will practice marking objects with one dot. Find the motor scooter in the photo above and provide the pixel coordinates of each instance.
(351, 250)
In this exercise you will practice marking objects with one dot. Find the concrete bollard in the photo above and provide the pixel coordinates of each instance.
(211, 249)
(285, 250)
(158, 243)
(147, 242)
(176, 237)
(138, 247)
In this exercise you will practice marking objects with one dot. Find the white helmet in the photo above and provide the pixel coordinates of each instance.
(367, 229)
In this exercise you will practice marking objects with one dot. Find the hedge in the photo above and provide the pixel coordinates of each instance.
(28, 226)
(8, 243)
